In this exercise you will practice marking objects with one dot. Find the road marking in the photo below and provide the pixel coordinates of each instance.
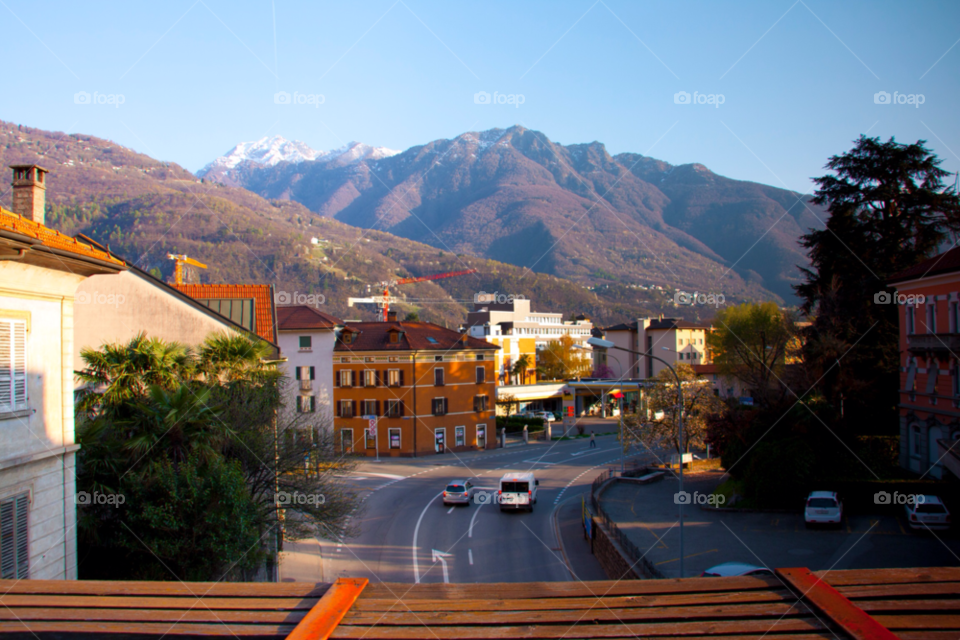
(416, 530)
(470, 554)
(540, 462)
(560, 495)
(450, 510)
(440, 555)
(474, 517)
(590, 453)
(383, 475)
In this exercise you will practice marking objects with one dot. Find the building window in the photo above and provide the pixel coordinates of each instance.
(394, 408)
(346, 408)
(344, 378)
(394, 438)
(915, 441)
(13, 365)
(306, 404)
(932, 317)
(394, 337)
(439, 406)
(460, 436)
(481, 436)
(955, 317)
(480, 403)
(15, 538)
(346, 440)
(370, 378)
(306, 343)
(438, 358)
(371, 407)
(438, 377)
(371, 439)
(479, 357)
(481, 375)
(395, 377)
(911, 313)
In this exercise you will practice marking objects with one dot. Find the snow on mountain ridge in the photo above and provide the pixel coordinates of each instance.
(272, 151)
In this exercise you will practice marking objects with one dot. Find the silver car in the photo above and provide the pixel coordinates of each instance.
(927, 512)
(458, 492)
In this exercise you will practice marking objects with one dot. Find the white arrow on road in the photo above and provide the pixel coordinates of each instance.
(440, 555)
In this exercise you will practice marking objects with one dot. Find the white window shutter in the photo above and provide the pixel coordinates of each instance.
(13, 365)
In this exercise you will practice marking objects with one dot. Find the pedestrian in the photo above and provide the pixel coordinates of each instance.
(593, 440)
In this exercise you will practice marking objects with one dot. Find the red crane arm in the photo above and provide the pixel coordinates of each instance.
(436, 276)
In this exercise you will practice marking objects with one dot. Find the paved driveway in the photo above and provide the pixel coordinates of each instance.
(649, 515)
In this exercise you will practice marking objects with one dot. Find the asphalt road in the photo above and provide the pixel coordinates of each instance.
(408, 535)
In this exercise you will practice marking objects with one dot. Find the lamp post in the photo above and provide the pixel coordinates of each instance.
(620, 380)
(607, 344)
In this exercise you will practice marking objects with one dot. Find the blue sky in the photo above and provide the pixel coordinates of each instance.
(797, 78)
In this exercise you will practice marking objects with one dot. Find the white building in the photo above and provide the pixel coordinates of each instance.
(673, 340)
(40, 270)
(307, 338)
(517, 330)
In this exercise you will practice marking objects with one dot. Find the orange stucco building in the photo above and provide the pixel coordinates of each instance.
(928, 302)
(432, 390)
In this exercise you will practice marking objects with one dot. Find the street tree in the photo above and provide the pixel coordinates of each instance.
(889, 209)
(753, 342)
(561, 360)
(658, 427)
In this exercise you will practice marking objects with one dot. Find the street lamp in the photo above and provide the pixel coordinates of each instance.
(607, 344)
(620, 380)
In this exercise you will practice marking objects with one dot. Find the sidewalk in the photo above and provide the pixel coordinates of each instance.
(576, 548)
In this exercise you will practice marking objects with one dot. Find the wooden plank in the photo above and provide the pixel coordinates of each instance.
(920, 623)
(553, 604)
(889, 576)
(324, 617)
(908, 605)
(925, 635)
(900, 590)
(589, 630)
(596, 614)
(158, 602)
(522, 590)
(852, 619)
(152, 615)
(119, 588)
(155, 629)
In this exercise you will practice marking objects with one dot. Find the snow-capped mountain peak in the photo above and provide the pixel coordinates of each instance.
(271, 151)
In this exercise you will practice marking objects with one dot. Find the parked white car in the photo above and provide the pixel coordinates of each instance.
(546, 415)
(823, 507)
(728, 569)
(928, 512)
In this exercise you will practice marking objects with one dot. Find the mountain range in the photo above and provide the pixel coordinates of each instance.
(573, 211)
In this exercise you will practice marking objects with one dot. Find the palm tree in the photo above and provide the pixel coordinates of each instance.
(228, 357)
(520, 368)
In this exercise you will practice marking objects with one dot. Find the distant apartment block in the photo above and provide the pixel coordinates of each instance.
(671, 339)
(518, 331)
(928, 304)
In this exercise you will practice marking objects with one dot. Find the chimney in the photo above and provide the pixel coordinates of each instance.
(391, 316)
(29, 191)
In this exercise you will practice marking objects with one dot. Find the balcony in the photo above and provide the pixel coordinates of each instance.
(306, 385)
(942, 344)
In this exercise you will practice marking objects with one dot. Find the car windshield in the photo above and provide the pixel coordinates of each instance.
(514, 487)
(454, 488)
(822, 503)
(931, 508)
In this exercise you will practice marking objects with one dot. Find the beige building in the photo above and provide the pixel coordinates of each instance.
(40, 270)
(673, 340)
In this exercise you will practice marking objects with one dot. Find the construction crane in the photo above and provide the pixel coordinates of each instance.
(384, 301)
(178, 261)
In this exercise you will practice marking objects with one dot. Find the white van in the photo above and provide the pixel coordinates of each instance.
(518, 491)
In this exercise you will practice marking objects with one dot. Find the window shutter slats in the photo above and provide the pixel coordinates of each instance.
(8, 546)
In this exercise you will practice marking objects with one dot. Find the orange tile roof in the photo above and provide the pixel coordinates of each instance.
(293, 317)
(10, 221)
(373, 336)
(262, 295)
